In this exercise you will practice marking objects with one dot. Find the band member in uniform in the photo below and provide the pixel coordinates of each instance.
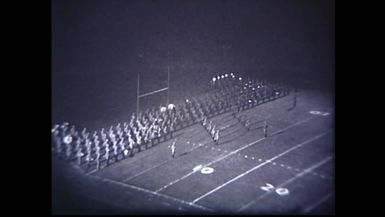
(64, 128)
(56, 139)
(97, 154)
(88, 157)
(265, 129)
(118, 128)
(131, 145)
(146, 138)
(121, 145)
(216, 137)
(115, 147)
(212, 131)
(107, 153)
(247, 124)
(173, 149)
(72, 130)
(159, 133)
(138, 139)
(78, 150)
(79, 156)
(165, 131)
(204, 121)
(67, 141)
(209, 126)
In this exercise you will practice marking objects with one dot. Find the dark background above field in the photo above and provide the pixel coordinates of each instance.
(99, 47)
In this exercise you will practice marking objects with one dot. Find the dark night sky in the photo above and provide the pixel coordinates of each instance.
(98, 47)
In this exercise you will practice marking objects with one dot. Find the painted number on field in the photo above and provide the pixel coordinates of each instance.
(280, 191)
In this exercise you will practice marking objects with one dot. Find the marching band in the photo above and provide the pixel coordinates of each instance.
(154, 125)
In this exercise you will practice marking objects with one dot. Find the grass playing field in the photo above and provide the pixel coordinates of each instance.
(290, 171)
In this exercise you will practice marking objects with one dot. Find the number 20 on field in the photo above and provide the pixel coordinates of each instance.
(279, 191)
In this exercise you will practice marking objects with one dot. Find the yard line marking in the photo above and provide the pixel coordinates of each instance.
(222, 128)
(236, 151)
(308, 170)
(308, 209)
(298, 170)
(92, 171)
(295, 124)
(163, 162)
(144, 156)
(260, 165)
(151, 192)
(144, 171)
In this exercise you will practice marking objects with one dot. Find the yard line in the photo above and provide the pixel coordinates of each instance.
(308, 170)
(222, 128)
(293, 125)
(308, 209)
(144, 171)
(151, 192)
(205, 165)
(233, 152)
(260, 165)
(153, 167)
(149, 154)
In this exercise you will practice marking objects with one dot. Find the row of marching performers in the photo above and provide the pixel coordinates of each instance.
(154, 125)
(123, 140)
(116, 143)
(235, 93)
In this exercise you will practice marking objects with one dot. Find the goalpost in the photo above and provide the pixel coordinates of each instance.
(139, 96)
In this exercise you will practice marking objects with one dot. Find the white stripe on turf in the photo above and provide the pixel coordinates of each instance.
(234, 152)
(152, 192)
(311, 207)
(308, 170)
(260, 165)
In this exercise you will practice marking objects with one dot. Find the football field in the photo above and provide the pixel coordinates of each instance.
(289, 171)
